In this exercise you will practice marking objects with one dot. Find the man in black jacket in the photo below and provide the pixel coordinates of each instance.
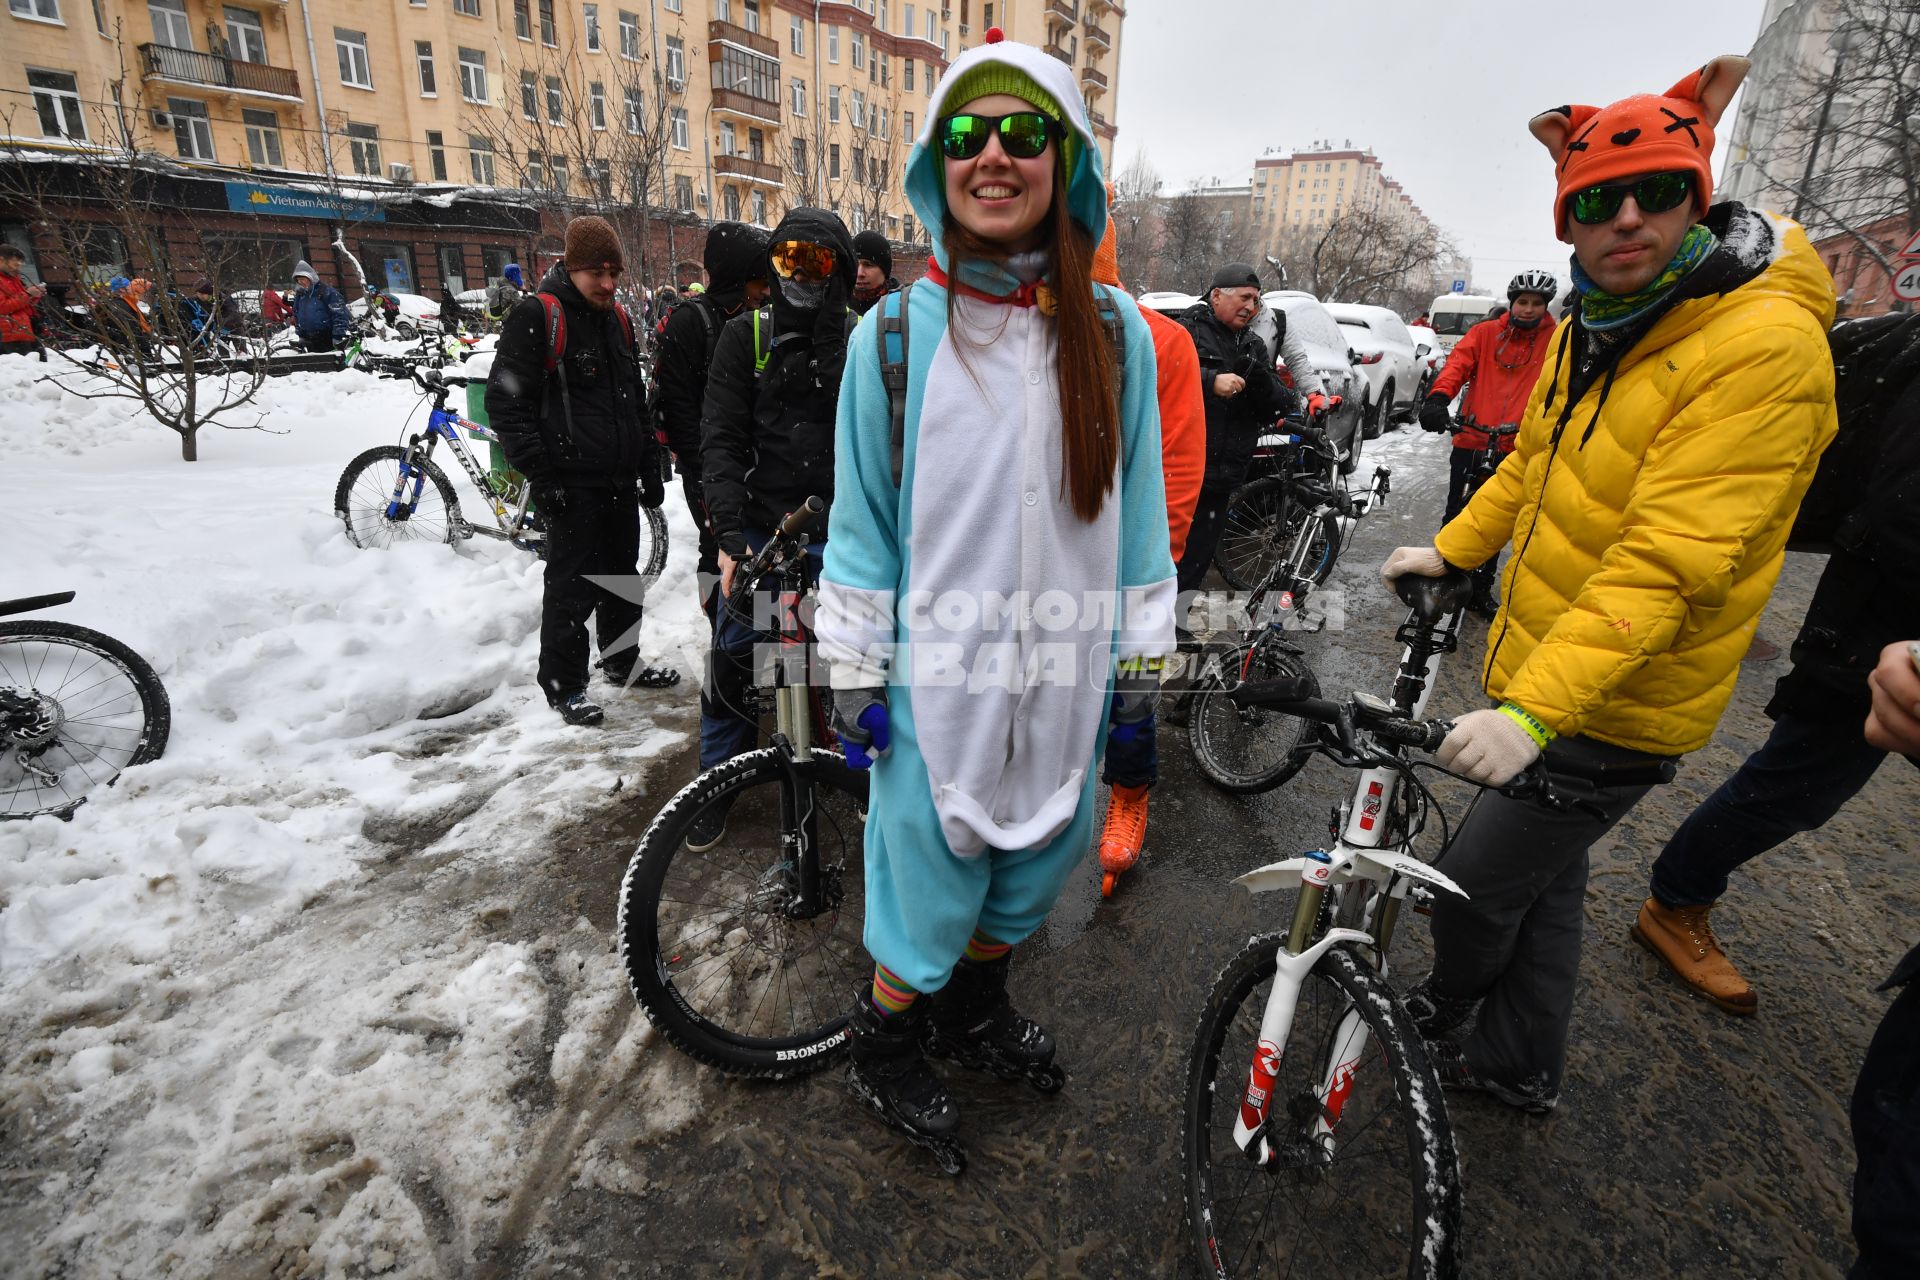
(875, 278)
(768, 439)
(1243, 396)
(736, 262)
(577, 430)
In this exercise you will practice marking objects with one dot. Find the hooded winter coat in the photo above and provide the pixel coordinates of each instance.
(1650, 495)
(592, 435)
(320, 309)
(1498, 363)
(735, 253)
(767, 435)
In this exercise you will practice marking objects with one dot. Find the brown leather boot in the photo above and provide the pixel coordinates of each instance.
(1683, 939)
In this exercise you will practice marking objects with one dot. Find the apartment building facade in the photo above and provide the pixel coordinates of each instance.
(1296, 195)
(448, 137)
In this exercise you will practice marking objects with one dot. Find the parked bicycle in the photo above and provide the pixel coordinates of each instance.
(1316, 1138)
(76, 708)
(1263, 514)
(743, 953)
(397, 493)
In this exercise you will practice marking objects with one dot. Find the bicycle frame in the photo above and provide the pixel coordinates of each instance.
(444, 424)
(1360, 854)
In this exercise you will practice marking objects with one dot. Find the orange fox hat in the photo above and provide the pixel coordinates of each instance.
(1647, 133)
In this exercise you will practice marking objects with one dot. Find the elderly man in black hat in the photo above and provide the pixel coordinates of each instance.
(1243, 396)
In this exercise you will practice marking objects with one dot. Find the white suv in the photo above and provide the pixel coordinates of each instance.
(1384, 353)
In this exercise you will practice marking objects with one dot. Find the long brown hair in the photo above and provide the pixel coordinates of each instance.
(1089, 408)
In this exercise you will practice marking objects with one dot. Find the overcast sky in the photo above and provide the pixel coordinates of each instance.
(1441, 91)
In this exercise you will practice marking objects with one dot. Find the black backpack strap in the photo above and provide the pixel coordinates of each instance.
(892, 343)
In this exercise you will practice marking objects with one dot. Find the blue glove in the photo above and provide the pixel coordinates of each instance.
(860, 719)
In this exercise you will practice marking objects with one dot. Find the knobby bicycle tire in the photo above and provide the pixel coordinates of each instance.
(1256, 530)
(1387, 1202)
(728, 977)
(653, 549)
(365, 488)
(112, 728)
(1246, 750)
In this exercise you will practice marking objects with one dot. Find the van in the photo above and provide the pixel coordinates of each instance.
(1453, 314)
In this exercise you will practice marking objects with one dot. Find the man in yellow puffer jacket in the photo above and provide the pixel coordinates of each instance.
(1658, 468)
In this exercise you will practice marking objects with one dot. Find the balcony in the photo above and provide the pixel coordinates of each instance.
(1102, 127)
(1093, 81)
(759, 110)
(751, 170)
(1097, 37)
(1065, 10)
(188, 66)
(1059, 53)
(726, 31)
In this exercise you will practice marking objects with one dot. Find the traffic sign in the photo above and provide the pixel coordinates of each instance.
(1913, 247)
(1459, 286)
(1906, 284)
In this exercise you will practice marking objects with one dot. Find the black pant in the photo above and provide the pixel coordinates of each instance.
(316, 342)
(23, 349)
(597, 533)
(1886, 1138)
(1460, 487)
(1514, 941)
(708, 576)
(1203, 539)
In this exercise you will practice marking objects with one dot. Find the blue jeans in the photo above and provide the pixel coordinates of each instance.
(726, 729)
(1794, 783)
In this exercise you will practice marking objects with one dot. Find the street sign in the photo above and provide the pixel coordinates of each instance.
(1907, 283)
(1459, 286)
(1913, 247)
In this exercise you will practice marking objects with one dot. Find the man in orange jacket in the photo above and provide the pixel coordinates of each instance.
(1498, 362)
(1183, 460)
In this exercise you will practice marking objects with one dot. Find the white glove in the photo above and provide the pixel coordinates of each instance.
(1424, 561)
(1489, 747)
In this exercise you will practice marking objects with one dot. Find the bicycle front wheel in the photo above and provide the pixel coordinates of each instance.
(1365, 1180)
(653, 543)
(730, 956)
(1244, 750)
(1256, 531)
(76, 707)
(364, 501)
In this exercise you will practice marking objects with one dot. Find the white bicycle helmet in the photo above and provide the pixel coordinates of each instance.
(1536, 281)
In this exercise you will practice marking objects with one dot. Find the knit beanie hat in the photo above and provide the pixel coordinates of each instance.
(591, 243)
(984, 79)
(871, 246)
(1647, 133)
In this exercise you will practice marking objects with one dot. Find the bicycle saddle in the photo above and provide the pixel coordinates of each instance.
(1432, 599)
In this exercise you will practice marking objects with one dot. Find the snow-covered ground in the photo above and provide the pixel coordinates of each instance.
(257, 1010)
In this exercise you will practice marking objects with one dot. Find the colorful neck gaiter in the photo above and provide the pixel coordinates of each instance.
(1601, 311)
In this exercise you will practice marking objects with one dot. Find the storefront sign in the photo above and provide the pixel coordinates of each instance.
(286, 202)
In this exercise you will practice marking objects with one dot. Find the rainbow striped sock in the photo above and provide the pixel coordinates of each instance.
(982, 947)
(890, 993)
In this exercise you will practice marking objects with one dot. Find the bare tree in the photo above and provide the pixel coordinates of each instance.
(1198, 232)
(1366, 253)
(1136, 210)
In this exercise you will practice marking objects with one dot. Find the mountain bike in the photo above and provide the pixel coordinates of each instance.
(1246, 749)
(1263, 514)
(76, 707)
(743, 954)
(394, 493)
(1316, 1138)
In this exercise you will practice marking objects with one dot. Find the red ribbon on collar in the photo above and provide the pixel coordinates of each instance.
(1033, 294)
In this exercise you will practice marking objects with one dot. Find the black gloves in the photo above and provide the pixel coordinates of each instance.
(653, 490)
(1433, 413)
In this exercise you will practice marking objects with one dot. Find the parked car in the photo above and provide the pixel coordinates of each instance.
(1455, 313)
(1383, 351)
(418, 315)
(1432, 357)
(1308, 319)
(1166, 303)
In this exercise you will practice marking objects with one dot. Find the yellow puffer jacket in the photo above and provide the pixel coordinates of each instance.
(1644, 553)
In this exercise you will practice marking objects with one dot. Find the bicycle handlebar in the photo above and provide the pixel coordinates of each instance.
(1492, 433)
(783, 543)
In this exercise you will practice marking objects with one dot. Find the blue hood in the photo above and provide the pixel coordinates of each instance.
(926, 176)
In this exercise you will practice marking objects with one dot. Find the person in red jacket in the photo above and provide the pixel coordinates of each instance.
(274, 309)
(1498, 361)
(1183, 463)
(17, 302)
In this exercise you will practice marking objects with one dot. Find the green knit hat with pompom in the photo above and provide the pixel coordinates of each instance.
(988, 78)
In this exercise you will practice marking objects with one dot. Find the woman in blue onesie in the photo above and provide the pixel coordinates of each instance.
(997, 593)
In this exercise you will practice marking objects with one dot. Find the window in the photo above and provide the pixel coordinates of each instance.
(729, 139)
(859, 110)
(533, 173)
(797, 37)
(56, 96)
(906, 27)
(473, 75)
(755, 74)
(681, 137)
(943, 45)
(833, 45)
(756, 145)
(859, 51)
(682, 184)
(886, 67)
(943, 39)
(590, 25)
(636, 103)
(629, 36)
(986, 18)
(760, 207)
(351, 48)
(549, 35)
(423, 58)
(263, 137)
(723, 10)
(906, 122)
(672, 6)
(859, 166)
(554, 100)
(676, 61)
(597, 104)
(730, 200)
(170, 25)
(246, 39)
(833, 104)
(799, 88)
(480, 159)
(529, 96)
(471, 8)
(906, 228)
(880, 17)
(437, 155)
(833, 160)
(192, 131)
(100, 25)
(363, 143)
(45, 10)
(523, 19)
(753, 16)
(799, 158)
(929, 80)
(557, 167)
(906, 74)
(598, 175)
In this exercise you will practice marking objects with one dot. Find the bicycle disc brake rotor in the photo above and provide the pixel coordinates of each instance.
(30, 721)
